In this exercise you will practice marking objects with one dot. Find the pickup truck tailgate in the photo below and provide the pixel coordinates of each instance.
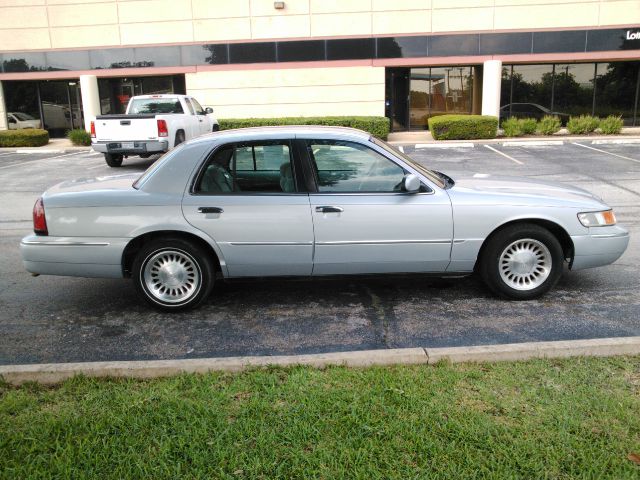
(126, 127)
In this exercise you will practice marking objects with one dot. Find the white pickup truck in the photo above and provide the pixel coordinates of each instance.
(152, 124)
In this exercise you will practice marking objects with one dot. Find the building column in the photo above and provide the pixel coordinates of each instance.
(491, 85)
(90, 99)
(3, 111)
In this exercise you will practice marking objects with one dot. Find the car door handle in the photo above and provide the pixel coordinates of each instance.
(210, 210)
(329, 209)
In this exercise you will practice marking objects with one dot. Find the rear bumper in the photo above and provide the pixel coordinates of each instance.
(73, 256)
(603, 245)
(135, 147)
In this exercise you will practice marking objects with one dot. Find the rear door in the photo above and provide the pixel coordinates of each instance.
(249, 198)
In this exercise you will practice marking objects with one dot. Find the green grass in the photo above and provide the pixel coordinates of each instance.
(558, 419)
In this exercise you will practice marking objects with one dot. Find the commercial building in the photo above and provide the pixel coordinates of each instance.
(65, 61)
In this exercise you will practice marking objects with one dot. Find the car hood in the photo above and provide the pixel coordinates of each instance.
(536, 191)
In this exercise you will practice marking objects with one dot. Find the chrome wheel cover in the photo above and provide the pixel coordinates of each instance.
(525, 264)
(171, 276)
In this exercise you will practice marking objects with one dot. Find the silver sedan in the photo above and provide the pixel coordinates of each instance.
(312, 201)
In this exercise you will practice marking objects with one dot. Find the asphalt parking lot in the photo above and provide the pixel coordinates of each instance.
(58, 319)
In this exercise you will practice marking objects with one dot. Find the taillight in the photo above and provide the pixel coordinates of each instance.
(162, 128)
(39, 220)
(93, 129)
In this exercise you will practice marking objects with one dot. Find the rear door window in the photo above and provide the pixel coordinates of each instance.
(246, 168)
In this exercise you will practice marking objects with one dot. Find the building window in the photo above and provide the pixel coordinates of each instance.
(572, 89)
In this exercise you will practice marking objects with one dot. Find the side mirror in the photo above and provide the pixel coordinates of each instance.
(208, 110)
(411, 183)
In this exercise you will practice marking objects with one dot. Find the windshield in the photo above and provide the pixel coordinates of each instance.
(22, 116)
(155, 105)
(430, 174)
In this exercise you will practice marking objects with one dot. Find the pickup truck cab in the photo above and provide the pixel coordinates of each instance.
(152, 124)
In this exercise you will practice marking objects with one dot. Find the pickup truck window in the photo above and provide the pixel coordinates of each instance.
(189, 106)
(155, 105)
(198, 107)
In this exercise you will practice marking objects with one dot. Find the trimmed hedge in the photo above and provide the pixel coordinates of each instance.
(548, 125)
(79, 136)
(28, 137)
(463, 127)
(377, 126)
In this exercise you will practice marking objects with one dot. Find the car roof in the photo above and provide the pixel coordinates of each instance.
(284, 131)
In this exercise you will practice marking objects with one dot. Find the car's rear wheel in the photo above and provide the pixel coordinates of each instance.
(173, 274)
(521, 262)
(179, 138)
(113, 160)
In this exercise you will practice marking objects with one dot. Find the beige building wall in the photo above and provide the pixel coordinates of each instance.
(43, 24)
(290, 92)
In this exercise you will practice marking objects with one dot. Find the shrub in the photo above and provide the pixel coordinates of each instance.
(582, 124)
(463, 127)
(377, 126)
(31, 137)
(548, 125)
(79, 136)
(528, 125)
(512, 127)
(611, 125)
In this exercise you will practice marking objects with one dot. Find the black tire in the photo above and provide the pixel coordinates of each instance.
(179, 138)
(186, 281)
(113, 160)
(215, 128)
(521, 262)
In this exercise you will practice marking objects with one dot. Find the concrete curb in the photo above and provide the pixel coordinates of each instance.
(52, 373)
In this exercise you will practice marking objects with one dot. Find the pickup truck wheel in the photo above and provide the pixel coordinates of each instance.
(113, 160)
(521, 262)
(179, 138)
(173, 274)
(215, 128)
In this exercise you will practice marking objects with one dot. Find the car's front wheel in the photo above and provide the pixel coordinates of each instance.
(173, 274)
(113, 160)
(521, 262)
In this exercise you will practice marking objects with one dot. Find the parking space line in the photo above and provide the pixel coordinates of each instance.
(504, 155)
(445, 145)
(46, 159)
(540, 143)
(604, 151)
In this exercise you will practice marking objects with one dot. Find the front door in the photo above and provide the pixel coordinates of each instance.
(246, 199)
(365, 223)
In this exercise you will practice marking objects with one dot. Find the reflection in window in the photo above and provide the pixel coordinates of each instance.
(567, 90)
(22, 102)
(351, 167)
(438, 91)
(617, 90)
(573, 89)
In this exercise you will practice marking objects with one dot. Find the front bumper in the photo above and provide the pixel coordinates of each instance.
(73, 256)
(602, 246)
(135, 147)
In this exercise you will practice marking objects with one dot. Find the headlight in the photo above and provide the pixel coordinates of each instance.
(597, 219)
